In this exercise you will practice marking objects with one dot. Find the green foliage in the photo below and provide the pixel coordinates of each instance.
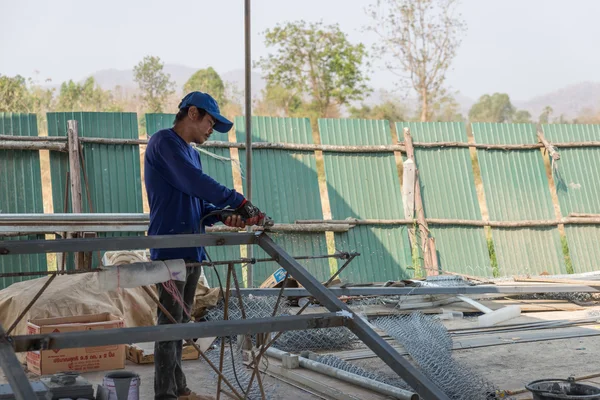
(497, 108)
(522, 117)
(277, 101)
(14, 95)
(86, 96)
(315, 61)
(208, 81)
(493, 259)
(388, 110)
(418, 40)
(545, 115)
(567, 254)
(154, 83)
(446, 109)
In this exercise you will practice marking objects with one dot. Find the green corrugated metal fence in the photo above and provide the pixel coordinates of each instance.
(285, 185)
(516, 188)
(113, 170)
(20, 191)
(220, 169)
(577, 184)
(366, 186)
(448, 190)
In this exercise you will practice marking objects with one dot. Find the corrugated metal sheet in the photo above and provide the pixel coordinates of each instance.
(219, 168)
(578, 190)
(113, 171)
(516, 188)
(20, 191)
(448, 189)
(366, 186)
(285, 185)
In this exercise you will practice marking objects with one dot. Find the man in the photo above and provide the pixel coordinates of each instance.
(180, 194)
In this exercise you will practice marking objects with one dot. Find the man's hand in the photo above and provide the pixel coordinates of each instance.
(235, 221)
(250, 213)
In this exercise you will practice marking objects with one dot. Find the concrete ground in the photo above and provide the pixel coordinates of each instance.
(509, 367)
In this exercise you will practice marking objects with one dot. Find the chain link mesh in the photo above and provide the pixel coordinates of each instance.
(429, 344)
(338, 338)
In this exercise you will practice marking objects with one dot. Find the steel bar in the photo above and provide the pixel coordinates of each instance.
(72, 340)
(342, 256)
(189, 341)
(125, 243)
(415, 378)
(430, 290)
(225, 318)
(31, 303)
(13, 371)
(134, 226)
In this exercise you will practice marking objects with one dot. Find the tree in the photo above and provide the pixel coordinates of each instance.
(155, 84)
(14, 95)
(522, 117)
(545, 115)
(494, 108)
(276, 101)
(86, 96)
(418, 40)
(497, 108)
(208, 81)
(446, 109)
(315, 61)
(387, 110)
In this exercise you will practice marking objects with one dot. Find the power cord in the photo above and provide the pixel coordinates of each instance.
(223, 291)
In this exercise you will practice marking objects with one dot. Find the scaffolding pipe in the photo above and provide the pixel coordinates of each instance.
(248, 120)
(358, 380)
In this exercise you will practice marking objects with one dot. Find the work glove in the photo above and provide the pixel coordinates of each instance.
(250, 213)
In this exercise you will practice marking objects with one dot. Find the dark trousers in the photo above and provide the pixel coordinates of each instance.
(169, 379)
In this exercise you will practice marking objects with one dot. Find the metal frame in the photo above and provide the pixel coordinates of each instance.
(340, 314)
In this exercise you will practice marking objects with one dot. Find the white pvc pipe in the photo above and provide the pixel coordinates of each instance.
(366, 383)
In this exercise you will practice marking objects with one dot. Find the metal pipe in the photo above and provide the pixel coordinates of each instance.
(429, 290)
(248, 120)
(358, 380)
(13, 371)
(159, 333)
(9, 247)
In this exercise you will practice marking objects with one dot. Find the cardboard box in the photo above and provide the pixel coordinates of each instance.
(139, 355)
(101, 358)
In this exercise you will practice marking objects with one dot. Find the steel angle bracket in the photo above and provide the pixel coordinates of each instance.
(426, 388)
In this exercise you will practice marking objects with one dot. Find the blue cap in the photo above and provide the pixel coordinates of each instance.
(206, 102)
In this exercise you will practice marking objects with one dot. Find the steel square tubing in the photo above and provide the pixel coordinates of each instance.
(417, 380)
(69, 340)
(13, 371)
(125, 243)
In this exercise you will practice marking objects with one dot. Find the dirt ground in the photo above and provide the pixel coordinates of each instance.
(508, 367)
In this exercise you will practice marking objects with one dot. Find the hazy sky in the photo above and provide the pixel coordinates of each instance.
(522, 47)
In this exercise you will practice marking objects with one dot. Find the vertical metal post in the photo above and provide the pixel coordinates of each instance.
(248, 119)
(75, 175)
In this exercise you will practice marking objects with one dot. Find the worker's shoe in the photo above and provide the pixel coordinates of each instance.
(189, 395)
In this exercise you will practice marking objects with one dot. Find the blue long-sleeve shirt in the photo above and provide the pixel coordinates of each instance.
(180, 193)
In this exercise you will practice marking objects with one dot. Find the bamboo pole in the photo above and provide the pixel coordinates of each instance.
(549, 147)
(460, 222)
(32, 145)
(55, 143)
(429, 256)
(75, 176)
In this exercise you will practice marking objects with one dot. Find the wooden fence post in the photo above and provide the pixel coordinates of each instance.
(75, 178)
(427, 243)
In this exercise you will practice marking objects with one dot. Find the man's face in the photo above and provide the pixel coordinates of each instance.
(203, 126)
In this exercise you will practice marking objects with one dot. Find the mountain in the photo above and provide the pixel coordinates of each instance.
(569, 101)
(109, 78)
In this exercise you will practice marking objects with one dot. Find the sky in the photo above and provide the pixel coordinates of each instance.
(522, 47)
